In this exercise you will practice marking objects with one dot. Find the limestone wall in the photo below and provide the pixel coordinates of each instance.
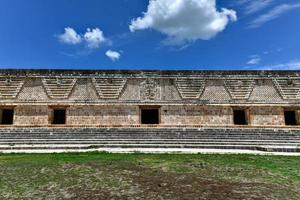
(186, 98)
(196, 115)
(120, 115)
(266, 116)
(31, 115)
(183, 87)
(103, 115)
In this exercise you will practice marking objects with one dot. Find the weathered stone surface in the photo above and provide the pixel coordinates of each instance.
(10, 87)
(31, 115)
(184, 98)
(266, 116)
(107, 115)
(196, 115)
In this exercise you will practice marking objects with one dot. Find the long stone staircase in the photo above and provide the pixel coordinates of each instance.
(257, 139)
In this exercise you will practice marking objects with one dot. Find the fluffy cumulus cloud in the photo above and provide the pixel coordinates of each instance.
(93, 38)
(113, 55)
(70, 36)
(184, 20)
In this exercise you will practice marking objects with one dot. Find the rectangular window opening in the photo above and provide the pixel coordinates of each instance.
(150, 116)
(290, 118)
(59, 116)
(7, 116)
(240, 117)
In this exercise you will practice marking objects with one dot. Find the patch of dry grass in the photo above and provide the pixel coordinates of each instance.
(148, 176)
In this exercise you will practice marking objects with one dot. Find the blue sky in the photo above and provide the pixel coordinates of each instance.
(143, 34)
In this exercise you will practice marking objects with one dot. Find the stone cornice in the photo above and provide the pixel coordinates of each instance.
(146, 73)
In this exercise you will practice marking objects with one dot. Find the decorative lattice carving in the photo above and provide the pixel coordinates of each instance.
(265, 91)
(215, 91)
(10, 87)
(240, 88)
(59, 88)
(150, 89)
(289, 88)
(190, 88)
(109, 88)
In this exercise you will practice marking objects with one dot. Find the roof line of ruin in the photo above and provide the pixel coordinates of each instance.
(69, 72)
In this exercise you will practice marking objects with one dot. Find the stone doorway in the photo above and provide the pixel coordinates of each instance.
(240, 117)
(59, 116)
(150, 116)
(290, 118)
(7, 116)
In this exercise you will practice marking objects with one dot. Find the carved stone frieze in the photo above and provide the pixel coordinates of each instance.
(59, 88)
(239, 88)
(289, 88)
(10, 87)
(150, 90)
(109, 88)
(190, 88)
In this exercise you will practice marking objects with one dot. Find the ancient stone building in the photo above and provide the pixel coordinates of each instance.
(143, 98)
(156, 99)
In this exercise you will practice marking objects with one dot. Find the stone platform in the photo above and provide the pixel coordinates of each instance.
(172, 139)
(156, 110)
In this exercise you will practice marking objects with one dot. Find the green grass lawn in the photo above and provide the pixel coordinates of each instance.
(148, 176)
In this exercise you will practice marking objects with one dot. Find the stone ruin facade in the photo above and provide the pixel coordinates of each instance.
(69, 98)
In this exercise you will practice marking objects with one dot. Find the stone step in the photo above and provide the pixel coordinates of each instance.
(74, 147)
(158, 133)
(154, 140)
(145, 130)
(149, 135)
(151, 129)
(147, 142)
(146, 137)
(92, 138)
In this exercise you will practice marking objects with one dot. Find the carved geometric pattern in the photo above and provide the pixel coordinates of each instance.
(288, 88)
(190, 88)
(265, 91)
(240, 88)
(59, 88)
(149, 89)
(109, 88)
(215, 91)
(10, 87)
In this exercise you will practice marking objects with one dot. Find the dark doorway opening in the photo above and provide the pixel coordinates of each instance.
(59, 116)
(290, 118)
(150, 116)
(239, 117)
(7, 116)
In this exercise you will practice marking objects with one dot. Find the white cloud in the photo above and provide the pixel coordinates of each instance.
(184, 20)
(113, 55)
(273, 14)
(257, 5)
(254, 60)
(241, 2)
(293, 65)
(94, 37)
(70, 36)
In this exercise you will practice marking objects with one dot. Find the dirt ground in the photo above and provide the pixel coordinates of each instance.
(155, 184)
(141, 177)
